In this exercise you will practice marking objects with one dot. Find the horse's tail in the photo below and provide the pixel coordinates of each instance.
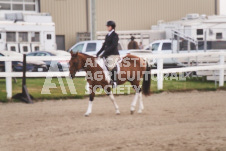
(147, 81)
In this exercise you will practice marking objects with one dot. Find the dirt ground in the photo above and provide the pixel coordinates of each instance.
(187, 121)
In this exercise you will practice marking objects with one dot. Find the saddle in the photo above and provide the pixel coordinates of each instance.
(101, 63)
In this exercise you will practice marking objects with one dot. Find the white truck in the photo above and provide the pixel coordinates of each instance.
(166, 47)
(170, 46)
(92, 47)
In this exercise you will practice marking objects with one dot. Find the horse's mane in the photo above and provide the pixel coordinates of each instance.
(80, 53)
(89, 56)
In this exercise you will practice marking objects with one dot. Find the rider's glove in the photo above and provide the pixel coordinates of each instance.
(98, 54)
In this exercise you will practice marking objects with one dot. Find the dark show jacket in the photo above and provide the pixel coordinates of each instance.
(110, 46)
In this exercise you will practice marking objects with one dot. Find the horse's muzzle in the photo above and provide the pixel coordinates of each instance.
(71, 76)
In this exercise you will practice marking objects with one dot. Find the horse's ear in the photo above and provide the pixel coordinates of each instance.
(74, 55)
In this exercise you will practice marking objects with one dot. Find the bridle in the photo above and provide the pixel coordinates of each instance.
(76, 64)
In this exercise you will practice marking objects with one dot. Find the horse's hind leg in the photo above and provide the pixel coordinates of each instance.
(133, 105)
(141, 105)
(115, 104)
(138, 96)
(108, 91)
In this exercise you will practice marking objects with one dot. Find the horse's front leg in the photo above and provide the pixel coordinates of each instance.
(91, 98)
(115, 104)
(109, 92)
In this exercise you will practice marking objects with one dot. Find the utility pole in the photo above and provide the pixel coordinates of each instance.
(216, 7)
(87, 16)
(93, 19)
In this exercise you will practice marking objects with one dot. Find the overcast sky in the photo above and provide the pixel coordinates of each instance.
(223, 7)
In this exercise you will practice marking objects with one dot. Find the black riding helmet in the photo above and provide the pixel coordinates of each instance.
(111, 23)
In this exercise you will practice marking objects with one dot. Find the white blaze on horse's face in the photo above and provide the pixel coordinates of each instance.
(72, 69)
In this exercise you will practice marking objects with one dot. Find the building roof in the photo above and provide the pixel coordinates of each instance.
(201, 20)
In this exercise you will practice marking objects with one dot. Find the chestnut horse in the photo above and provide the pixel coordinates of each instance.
(132, 69)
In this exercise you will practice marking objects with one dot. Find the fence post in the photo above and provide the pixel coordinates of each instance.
(160, 74)
(221, 72)
(8, 70)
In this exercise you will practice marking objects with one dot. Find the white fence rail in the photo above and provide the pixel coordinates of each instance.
(221, 66)
(8, 74)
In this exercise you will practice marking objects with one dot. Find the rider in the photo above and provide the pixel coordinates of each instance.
(110, 51)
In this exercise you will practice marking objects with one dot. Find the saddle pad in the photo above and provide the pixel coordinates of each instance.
(101, 63)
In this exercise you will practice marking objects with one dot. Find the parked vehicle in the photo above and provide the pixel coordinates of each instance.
(165, 47)
(170, 46)
(17, 66)
(24, 32)
(7, 53)
(60, 65)
(92, 47)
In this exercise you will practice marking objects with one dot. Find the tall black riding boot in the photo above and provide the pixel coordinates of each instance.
(114, 77)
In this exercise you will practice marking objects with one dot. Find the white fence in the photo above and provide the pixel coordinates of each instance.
(221, 66)
(8, 74)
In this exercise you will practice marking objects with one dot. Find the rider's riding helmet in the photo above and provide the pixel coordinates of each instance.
(111, 23)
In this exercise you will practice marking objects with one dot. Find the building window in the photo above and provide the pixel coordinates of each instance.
(29, 0)
(5, 6)
(199, 31)
(36, 48)
(25, 49)
(0, 36)
(29, 7)
(13, 48)
(23, 36)
(199, 39)
(10, 36)
(19, 5)
(35, 37)
(219, 36)
(49, 36)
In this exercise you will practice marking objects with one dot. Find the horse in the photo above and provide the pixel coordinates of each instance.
(132, 69)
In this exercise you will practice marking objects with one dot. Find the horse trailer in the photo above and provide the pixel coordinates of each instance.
(27, 32)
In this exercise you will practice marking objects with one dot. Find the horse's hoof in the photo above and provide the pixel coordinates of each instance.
(117, 112)
(140, 111)
(131, 112)
(86, 115)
